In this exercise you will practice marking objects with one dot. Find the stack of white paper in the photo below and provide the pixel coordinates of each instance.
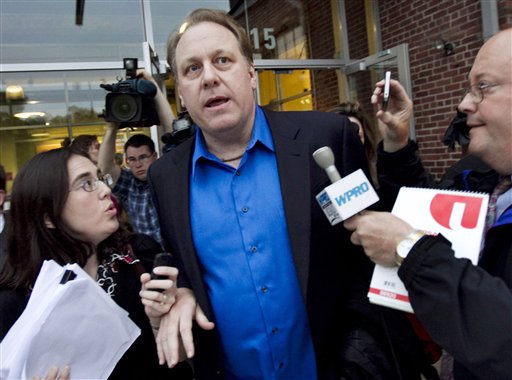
(459, 216)
(75, 324)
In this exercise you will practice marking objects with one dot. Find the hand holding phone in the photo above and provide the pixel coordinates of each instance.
(163, 259)
(385, 98)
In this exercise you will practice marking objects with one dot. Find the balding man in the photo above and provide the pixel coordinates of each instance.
(467, 309)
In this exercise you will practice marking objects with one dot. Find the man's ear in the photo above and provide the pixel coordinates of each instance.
(47, 222)
(252, 76)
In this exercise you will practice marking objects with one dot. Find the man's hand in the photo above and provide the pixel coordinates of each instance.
(378, 233)
(163, 108)
(143, 74)
(175, 339)
(394, 121)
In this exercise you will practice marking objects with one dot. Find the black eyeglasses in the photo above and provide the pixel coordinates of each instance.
(477, 91)
(91, 184)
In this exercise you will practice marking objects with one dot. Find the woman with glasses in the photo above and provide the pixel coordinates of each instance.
(61, 210)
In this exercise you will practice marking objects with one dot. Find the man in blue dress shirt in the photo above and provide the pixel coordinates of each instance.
(251, 242)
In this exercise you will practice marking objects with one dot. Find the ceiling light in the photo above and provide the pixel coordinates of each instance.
(27, 115)
(14, 92)
(40, 134)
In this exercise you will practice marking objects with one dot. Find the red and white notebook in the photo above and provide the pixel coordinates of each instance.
(459, 216)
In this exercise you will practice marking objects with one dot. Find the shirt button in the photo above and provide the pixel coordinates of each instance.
(237, 173)
(253, 249)
(264, 289)
(245, 209)
(281, 365)
(275, 330)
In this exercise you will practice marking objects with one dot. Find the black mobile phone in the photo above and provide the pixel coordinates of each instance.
(163, 259)
(385, 98)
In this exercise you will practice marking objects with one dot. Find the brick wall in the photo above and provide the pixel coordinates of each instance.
(505, 13)
(437, 80)
(356, 29)
(321, 45)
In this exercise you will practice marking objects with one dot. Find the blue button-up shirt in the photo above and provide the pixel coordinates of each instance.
(240, 234)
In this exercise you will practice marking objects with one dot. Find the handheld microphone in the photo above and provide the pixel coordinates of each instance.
(345, 196)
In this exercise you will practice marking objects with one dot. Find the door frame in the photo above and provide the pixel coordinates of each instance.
(398, 54)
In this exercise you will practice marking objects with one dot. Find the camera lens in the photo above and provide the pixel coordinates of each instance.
(124, 107)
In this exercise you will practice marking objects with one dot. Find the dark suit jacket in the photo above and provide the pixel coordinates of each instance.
(325, 260)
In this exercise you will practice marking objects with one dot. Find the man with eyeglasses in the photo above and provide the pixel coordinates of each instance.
(466, 309)
(130, 186)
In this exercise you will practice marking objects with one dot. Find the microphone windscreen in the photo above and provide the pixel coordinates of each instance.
(324, 157)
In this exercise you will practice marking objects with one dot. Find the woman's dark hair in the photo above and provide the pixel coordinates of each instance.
(82, 143)
(38, 196)
(371, 132)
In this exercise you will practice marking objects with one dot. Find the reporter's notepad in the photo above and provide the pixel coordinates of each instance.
(459, 216)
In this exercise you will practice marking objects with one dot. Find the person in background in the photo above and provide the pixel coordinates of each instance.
(88, 145)
(252, 245)
(466, 309)
(61, 210)
(119, 159)
(3, 217)
(130, 185)
(66, 142)
(368, 133)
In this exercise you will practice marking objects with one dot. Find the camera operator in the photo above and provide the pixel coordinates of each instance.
(130, 185)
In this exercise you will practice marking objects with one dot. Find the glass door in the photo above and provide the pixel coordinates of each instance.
(305, 85)
(363, 74)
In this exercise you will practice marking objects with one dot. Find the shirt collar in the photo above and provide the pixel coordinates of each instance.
(260, 134)
(139, 183)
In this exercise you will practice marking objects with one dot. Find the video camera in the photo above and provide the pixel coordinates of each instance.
(130, 102)
(182, 128)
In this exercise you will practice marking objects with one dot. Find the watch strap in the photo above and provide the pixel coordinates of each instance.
(413, 237)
